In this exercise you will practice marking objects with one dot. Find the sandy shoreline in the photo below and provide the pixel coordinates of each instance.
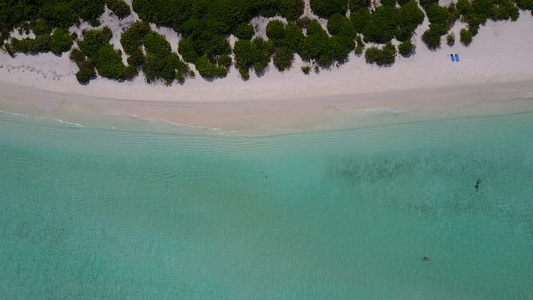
(268, 117)
(497, 66)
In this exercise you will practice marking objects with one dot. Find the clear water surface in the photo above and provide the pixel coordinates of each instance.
(347, 214)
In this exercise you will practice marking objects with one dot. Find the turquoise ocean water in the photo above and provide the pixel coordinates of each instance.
(91, 213)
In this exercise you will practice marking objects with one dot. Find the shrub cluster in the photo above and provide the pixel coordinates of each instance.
(119, 7)
(283, 58)
(381, 57)
(387, 22)
(42, 16)
(322, 48)
(205, 24)
(255, 54)
(406, 48)
(327, 8)
(160, 62)
(476, 12)
(60, 41)
(286, 38)
(95, 52)
(244, 32)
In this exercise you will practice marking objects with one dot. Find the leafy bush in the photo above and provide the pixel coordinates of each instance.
(450, 39)
(324, 49)
(340, 25)
(136, 58)
(506, 10)
(306, 70)
(108, 62)
(358, 4)
(465, 36)
(406, 48)
(207, 23)
(303, 22)
(77, 56)
(327, 8)
(41, 43)
(60, 41)
(205, 67)
(156, 44)
(432, 36)
(187, 51)
(132, 38)
(119, 7)
(388, 2)
(437, 14)
(360, 46)
(360, 18)
(244, 32)
(464, 7)
(381, 57)
(224, 61)
(85, 75)
(275, 30)
(283, 58)
(42, 27)
(92, 41)
(294, 38)
(410, 16)
(427, 3)
(102, 56)
(254, 54)
(381, 26)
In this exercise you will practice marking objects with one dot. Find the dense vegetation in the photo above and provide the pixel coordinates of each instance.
(205, 26)
(58, 42)
(255, 54)
(119, 7)
(95, 52)
(381, 57)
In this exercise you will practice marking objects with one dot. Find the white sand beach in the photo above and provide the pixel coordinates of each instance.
(498, 65)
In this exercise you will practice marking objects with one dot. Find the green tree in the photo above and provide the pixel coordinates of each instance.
(450, 39)
(381, 26)
(432, 36)
(355, 5)
(406, 48)
(132, 38)
(326, 8)
(283, 58)
(340, 25)
(360, 18)
(244, 32)
(275, 30)
(187, 51)
(119, 7)
(465, 36)
(85, 75)
(60, 41)
(437, 14)
(205, 67)
(427, 3)
(42, 27)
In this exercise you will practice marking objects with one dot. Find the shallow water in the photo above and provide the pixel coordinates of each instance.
(91, 212)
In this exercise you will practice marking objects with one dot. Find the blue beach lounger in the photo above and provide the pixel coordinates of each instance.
(456, 58)
(451, 55)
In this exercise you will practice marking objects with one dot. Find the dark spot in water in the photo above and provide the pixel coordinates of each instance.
(266, 176)
(477, 184)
